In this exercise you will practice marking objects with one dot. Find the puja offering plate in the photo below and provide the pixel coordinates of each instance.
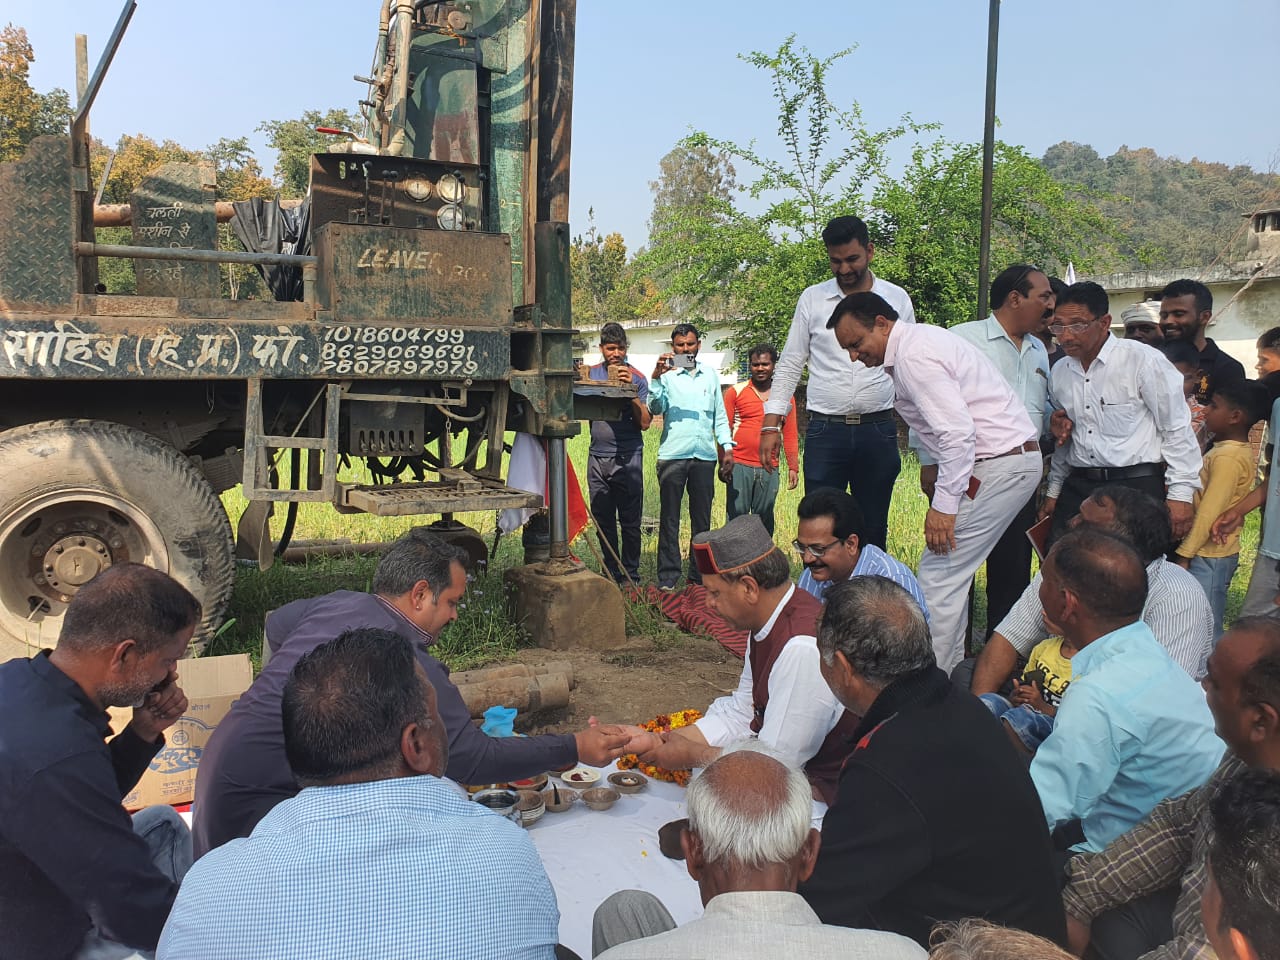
(628, 781)
(529, 783)
(580, 777)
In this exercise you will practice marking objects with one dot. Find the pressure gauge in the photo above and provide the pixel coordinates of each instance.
(451, 189)
(418, 188)
(450, 217)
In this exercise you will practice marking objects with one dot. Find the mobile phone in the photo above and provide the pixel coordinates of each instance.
(683, 361)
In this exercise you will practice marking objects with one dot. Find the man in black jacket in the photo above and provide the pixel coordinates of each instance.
(936, 817)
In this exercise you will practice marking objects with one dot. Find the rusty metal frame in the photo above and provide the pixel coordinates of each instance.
(258, 446)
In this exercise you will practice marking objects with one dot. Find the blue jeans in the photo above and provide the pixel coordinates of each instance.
(862, 459)
(1214, 576)
(169, 842)
(1030, 725)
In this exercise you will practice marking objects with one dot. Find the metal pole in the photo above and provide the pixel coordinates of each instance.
(558, 498)
(988, 159)
(85, 249)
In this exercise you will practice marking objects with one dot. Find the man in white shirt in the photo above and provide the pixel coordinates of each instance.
(972, 423)
(748, 843)
(1022, 301)
(851, 442)
(1124, 417)
(781, 697)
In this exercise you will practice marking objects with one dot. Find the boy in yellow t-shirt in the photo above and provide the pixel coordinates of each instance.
(1028, 712)
(1226, 476)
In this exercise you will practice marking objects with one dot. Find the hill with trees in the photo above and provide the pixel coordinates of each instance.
(1167, 212)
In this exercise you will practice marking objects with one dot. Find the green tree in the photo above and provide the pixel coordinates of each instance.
(24, 113)
(1171, 213)
(296, 140)
(718, 258)
(606, 284)
(926, 225)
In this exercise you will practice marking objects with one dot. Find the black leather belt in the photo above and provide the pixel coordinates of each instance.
(853, 419)
(1102, 474)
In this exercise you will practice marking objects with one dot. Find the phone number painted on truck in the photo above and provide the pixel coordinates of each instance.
(83, 349)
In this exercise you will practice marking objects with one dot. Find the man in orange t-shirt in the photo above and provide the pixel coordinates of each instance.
(752, 488)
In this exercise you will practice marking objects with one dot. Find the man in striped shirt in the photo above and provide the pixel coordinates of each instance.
(831, 541)
(1176, 611)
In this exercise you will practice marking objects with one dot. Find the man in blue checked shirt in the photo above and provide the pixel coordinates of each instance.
(831, 539)
(377, 856)
(695, 440)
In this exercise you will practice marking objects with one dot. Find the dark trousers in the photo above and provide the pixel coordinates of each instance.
(1076, 490)
(674, 477)
(862, 459)
(616, 486)
(1134, 929)
(1009, 566)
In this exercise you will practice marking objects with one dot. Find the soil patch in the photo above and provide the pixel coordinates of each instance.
(650, 675)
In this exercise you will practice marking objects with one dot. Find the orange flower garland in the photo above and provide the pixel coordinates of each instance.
(662, 723)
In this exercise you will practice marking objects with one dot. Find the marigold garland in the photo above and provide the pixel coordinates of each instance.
(662, 723)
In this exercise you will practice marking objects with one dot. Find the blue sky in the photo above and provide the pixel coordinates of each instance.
(1189, 79)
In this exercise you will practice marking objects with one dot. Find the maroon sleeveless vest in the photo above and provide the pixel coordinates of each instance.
(799, 617)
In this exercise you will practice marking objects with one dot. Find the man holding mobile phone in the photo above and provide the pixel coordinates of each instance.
(695, 441)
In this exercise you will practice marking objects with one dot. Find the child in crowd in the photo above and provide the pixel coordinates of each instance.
(1225, 478)
(1268, 353)
(1028, 711)
(1262, 598)
(1186, 360)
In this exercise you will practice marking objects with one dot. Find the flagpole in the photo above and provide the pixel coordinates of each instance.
(988, 159)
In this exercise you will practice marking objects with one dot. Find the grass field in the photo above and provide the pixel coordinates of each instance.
(484, 630)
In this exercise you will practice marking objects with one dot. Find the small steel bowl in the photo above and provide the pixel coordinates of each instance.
(567, 797)
(531, 807)
(600, 798)
(628, 781)
(501, 802)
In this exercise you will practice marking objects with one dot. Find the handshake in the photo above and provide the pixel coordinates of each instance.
(679, 749)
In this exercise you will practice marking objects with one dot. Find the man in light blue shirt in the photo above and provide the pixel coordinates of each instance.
(1022, 301)
(377, 856)
(831, 541)
(1133, 728)
(695, 441)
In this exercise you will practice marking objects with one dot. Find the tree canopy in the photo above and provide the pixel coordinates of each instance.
(24, 113)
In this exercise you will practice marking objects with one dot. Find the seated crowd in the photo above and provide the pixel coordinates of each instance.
(1104, 777)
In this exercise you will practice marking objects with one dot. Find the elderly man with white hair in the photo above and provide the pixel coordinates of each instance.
(748, 844)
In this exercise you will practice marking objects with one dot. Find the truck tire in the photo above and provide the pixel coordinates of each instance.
(77, 496)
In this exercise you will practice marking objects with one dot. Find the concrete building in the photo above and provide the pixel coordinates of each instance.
(1246, 294)
(648, 340)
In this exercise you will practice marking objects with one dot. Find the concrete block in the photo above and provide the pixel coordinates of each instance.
(570, 609)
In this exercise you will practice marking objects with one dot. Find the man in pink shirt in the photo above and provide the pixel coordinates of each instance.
(970, 420)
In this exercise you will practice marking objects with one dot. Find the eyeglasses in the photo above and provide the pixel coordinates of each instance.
(1058, 329)
(816, 550)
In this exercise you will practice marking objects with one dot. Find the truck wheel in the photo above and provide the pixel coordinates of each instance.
(77, 496)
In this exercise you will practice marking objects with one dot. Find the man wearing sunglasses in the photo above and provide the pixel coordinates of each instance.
(1123, 417)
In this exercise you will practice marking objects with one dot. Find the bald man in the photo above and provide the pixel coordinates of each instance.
(748, 845)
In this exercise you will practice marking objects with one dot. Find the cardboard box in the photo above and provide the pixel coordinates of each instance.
(212, 685)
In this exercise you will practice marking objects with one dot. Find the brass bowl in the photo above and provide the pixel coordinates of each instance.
(529, 783)
(531, 807)
(628, 781)
(567, 798)
(600, 798)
